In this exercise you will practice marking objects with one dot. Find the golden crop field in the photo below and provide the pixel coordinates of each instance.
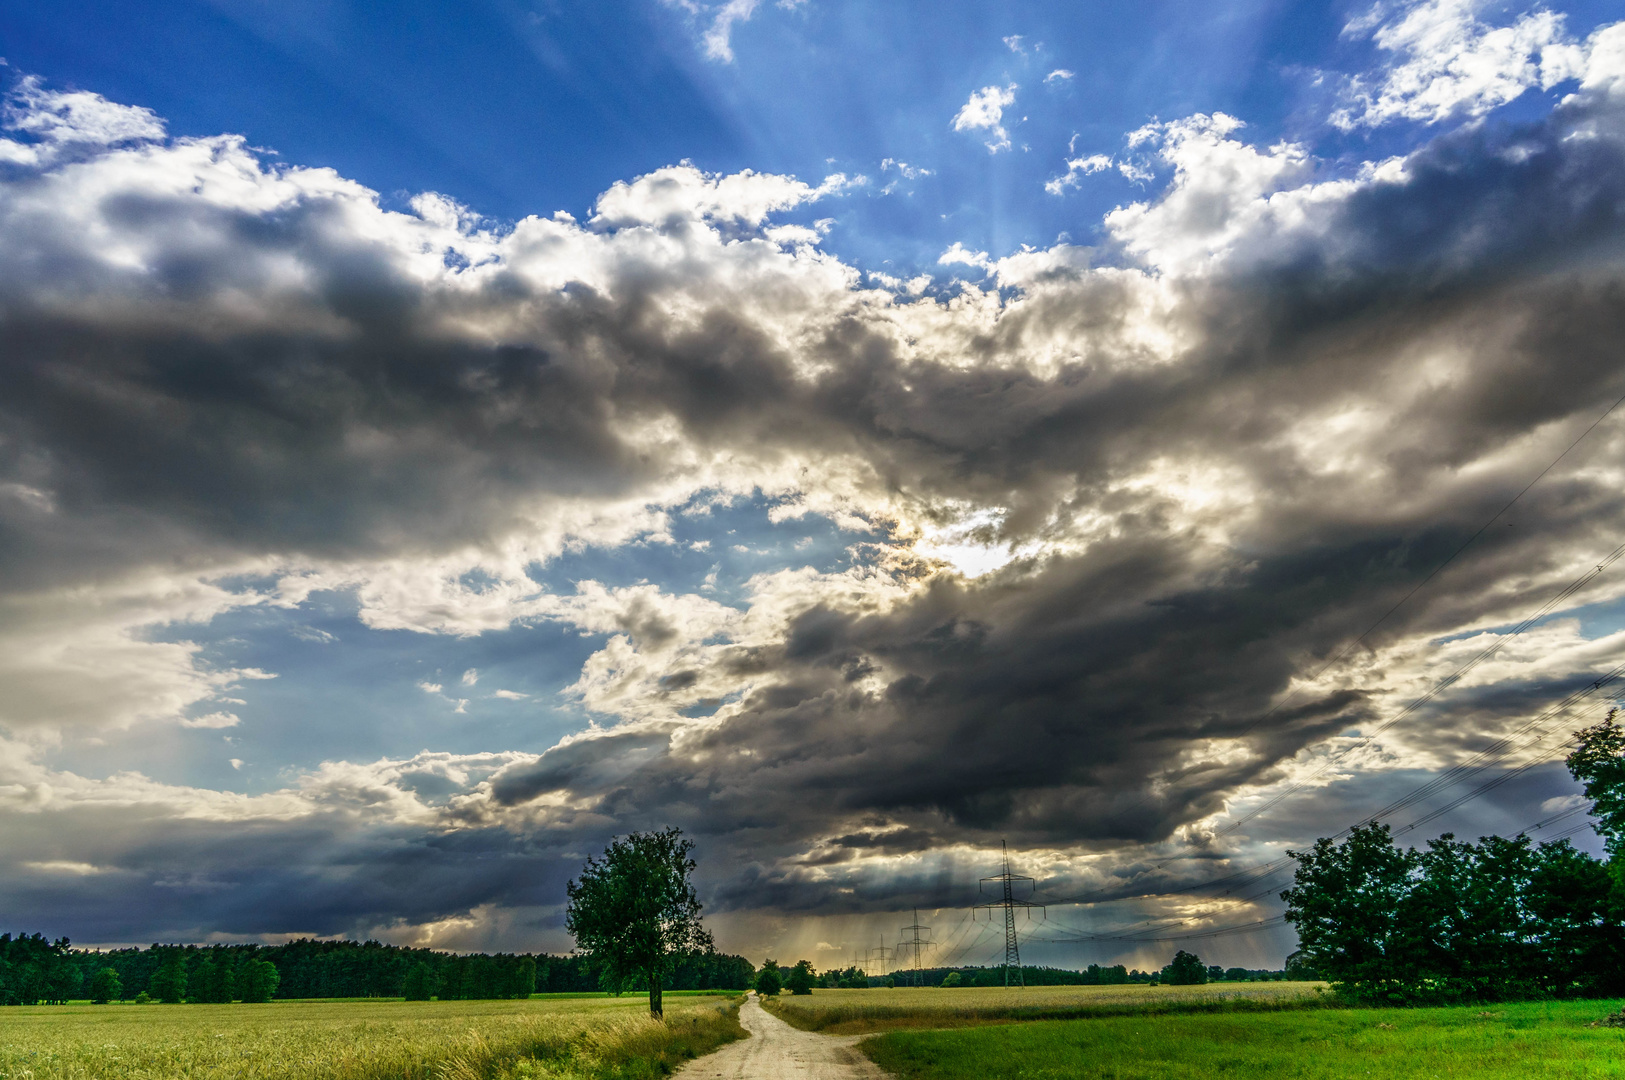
(362, 1040)
(878, 1008)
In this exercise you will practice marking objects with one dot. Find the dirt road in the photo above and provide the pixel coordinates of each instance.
(777, 1051)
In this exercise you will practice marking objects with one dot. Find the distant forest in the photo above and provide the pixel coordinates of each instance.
(35, 969)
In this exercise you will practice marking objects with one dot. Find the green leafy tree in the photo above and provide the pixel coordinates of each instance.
(769, 980)
(1575, 914)
(168, 983)
(1186, 969)
(801, 979)
(220, 987)
(205, 981)
(62, 982)
(1599, 763)
(891, 982)
(635, 912)
(258, 980)
(419, 983)
(106, 986)
(1346, 902)
(524, 979)
(1298, 968)
(951, 979)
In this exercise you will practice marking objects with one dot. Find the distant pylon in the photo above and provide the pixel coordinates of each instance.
(1007, 882)
(884, 953)
(917, 944)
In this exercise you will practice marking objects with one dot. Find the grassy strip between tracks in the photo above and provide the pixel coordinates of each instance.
(855, 1012)
(581, 1039)
(1514, 1042)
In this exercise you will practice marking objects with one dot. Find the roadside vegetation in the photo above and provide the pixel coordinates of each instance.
(1512, 1042)
(854, 1012)
(598, 1038)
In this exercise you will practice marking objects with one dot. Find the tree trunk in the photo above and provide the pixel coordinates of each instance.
(654, 996)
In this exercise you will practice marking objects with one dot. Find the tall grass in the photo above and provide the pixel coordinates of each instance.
(851, 1012)
(593, 1039)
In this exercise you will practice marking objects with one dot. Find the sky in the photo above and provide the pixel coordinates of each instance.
(437, 438)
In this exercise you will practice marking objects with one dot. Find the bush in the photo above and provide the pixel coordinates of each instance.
(768, 981)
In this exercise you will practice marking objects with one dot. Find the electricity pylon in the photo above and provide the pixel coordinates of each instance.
(1007, 884)
(885, 957)
(916, 943)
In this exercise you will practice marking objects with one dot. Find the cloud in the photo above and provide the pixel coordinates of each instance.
(1448, 62)
(212, 720)
(683, 193)
(959, 253)
(510, 695)
(1059, 75)
(1014, 43)
(63, 121)
(1105, 517)
(1076, 170)
(470, 677)
(984, 111)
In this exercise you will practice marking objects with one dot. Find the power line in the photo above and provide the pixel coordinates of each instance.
(1438, 569)
(1125, 938)
(1501, 642)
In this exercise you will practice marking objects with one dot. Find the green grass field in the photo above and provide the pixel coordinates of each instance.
(579, 1038)
(1543, 1039)
(853, 1012)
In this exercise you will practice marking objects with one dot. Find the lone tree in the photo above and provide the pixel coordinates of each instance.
(635, 913)
(1186, 969)
(801, 979)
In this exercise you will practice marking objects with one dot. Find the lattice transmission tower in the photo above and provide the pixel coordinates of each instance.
(917, 945)
(885, 955)
(1008, 883)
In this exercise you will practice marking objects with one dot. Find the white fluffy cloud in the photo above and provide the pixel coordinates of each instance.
(984, 111)
(1448, 61)
(1076, 170)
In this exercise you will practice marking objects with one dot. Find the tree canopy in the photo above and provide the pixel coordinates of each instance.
(1599, 763)
(635, 912)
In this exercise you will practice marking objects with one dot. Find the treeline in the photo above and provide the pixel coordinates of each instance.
(1093, 975)
(1493, 921)
(33, 970)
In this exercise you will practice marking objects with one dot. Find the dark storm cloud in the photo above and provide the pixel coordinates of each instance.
(283, 384)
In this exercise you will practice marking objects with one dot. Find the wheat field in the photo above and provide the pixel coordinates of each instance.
(876, 1009)
(586, 1038)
